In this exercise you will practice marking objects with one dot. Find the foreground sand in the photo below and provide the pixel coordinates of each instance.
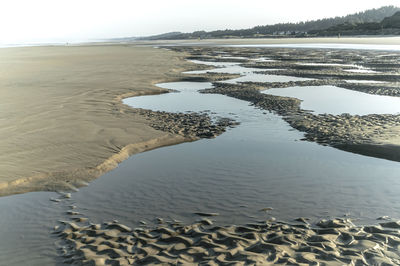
(332, 242)
(62, 120)
(267, 242)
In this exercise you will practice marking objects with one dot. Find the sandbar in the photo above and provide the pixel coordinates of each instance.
(62, 119)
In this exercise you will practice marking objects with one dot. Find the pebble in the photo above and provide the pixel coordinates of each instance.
(206, 213)
(55, 200)
(67, 195)
(266, 209)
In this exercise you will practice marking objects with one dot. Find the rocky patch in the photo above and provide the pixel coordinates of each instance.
(190, 125)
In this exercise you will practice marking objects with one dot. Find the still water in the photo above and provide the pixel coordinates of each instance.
(336, 100)
(248, 74)
(378, 47)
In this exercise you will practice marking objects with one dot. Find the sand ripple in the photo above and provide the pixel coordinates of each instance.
(333, 242)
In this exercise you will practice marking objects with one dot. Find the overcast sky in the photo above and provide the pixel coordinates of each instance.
(27, 21)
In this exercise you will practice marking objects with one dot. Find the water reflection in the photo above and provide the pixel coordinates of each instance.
(335, 100)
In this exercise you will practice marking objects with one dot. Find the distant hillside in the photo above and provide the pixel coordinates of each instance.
(392, 22)
(389, 25)
(285, 29)
(164, 36)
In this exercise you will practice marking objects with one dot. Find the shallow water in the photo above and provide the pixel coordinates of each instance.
(26, 222)
(264, 59)
(330, 64)
(336, 100)
(229, 68)
(248, 74)
(211, 63)
(380, 47)
(259, 164)
(234, 57)
(353, 67)
(226, 67)
(363, 81)
(360, 71)
(253, 77)
(241, 172)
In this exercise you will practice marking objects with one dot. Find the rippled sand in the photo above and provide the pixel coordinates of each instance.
(329, 242)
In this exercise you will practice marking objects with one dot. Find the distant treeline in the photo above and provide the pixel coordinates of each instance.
(388, 26)
(370, 20)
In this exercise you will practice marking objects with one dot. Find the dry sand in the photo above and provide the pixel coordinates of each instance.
(62, 120)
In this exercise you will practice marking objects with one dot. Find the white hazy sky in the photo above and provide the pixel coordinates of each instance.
(23, 21)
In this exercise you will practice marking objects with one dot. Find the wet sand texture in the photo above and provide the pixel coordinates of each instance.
(330, 242)
(372, 135)
(63, 124)
(62, 121)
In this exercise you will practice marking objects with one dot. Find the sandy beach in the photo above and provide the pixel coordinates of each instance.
(219, 133)
(63, 122)
(62, 116)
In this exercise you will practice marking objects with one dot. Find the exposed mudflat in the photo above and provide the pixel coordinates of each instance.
(342, 68)
(227, 190)
(189, 125)
(328, 242)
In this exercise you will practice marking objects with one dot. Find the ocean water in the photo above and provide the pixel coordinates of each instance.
(379, 47)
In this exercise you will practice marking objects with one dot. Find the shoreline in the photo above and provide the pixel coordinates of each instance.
(84, 240)
(383, 40)
(78, 176)
(62, 180)
(75, 178)
(358, 39)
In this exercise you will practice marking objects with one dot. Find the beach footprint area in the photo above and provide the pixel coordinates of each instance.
(270, 168)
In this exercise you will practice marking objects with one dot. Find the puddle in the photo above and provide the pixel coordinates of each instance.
(335, 100)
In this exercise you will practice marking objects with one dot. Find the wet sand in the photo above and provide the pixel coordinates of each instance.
(77, 110)
(371, 134)
(267, 242)
(327, 242)
(63, 122)
(333, 242)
